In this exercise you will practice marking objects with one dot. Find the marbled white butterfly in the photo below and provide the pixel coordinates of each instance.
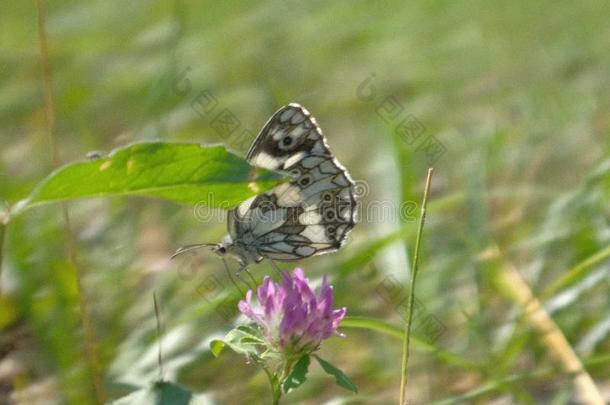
(309, 215)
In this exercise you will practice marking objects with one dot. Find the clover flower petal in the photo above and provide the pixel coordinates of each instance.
(290, 314)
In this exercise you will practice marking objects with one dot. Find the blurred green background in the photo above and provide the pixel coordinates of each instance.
(510, 102)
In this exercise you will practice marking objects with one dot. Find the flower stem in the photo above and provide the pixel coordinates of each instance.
(276, 386)
(407, 331)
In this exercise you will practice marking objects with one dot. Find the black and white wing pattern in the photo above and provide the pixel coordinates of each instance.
(311, 214)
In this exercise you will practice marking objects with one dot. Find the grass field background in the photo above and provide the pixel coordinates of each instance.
(510, 102)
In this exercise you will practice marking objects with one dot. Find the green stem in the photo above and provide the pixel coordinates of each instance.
(276, 387)
(49, 104)
(407, 335)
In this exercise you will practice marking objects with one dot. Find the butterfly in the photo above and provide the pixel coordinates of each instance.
(311, 214)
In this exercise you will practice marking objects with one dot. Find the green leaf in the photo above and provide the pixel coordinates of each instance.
(397, 332)
(216, 347)
(340, 378)
(576, 273)
(181, 172)
(161, 393)
(298, 374)
(246, 334)
(243, 339)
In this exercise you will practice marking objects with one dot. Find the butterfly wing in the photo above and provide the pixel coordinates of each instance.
(290, 135)
(292, 231)
(292, 142)
(311, 214)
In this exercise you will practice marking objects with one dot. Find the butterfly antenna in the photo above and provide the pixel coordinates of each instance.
(231, 276)
(188, 248)
(159, 336)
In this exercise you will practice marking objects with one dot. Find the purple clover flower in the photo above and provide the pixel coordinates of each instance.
(291, 316)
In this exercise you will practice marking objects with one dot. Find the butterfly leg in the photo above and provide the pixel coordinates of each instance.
(276, 267)
(231, 276)
(245, 269)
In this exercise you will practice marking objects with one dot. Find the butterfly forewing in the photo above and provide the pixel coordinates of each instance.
(289, 136)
